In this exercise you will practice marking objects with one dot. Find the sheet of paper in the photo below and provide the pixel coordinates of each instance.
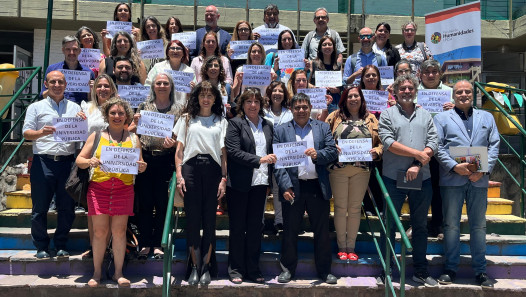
(155, 124)
(116, 159)
(290, 154)
(70, 129)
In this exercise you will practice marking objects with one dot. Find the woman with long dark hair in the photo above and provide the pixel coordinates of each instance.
(173, 25)
(383, 46)
(286, 41)
(121, 13)
(201, 171)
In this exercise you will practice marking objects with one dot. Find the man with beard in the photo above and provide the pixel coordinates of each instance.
(123, 70)
(271, 19)
(211, 17)
(71, 51)
(365, 56)
(410, 140)
(312, 39)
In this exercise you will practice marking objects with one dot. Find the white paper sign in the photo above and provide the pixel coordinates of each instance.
(386, 75)
(433, 100)
(155, 124)
(135, 94)
(376, 100)
(116, 159)
(325, 79)
(115, 26)
(467, 151)
(77, 80)
(269, 38)
(90, 57)
(151, 49)
(355, 150)
(290, 154)
(317, 97)
(70, 129)
(187, 38)
(256, 75)
(240, 48)
(292, 58)
(181, 80)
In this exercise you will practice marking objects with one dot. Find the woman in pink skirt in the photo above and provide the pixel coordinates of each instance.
(110, 195)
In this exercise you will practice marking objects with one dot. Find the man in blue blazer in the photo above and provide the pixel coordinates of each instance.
(306, 187)
(465, 126)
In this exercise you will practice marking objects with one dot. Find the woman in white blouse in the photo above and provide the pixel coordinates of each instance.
(201, 175)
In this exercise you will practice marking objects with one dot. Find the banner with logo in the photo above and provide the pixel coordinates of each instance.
(454, 38)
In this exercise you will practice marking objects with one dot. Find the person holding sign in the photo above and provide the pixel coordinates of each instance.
(103, 90)
(430, 79)
(410, 140)
(242, 32)
(110, 195)
(349, 180)
(71, 50)
(306, 188)
(213, 71)
(151, 29)
(298, 80)
(177, 58)
(51, 166)
(159, 153)
(209, 47)
(122, 13)
(256, 52)
(382, 44)
(89, 40)
(271, 20)
(201, 171)
(465, 126)
(286, 41)
(249, 177)
(122, 44)
(326, 60)
(173, 25)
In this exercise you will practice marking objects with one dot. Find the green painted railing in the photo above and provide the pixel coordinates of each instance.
(385, 222)
(522, 134)
(37, 72)
(170, 227)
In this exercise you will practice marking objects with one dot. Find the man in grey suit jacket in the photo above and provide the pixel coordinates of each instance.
(306, 188)
(465, 126)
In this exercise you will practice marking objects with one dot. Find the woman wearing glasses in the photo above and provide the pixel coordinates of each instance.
(242, 31)
(411, 50)
(176, 59)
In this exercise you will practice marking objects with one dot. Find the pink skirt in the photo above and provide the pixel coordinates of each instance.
(111, 197)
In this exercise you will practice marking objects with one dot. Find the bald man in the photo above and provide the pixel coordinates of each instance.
(52, 162)
(211, 17)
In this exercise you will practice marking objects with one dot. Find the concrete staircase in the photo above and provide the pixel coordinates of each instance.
(22, 275)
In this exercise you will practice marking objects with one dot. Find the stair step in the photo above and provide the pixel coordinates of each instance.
(498, 245)
(23, 262)
(496, 206)
(19, 199)
(75, 285)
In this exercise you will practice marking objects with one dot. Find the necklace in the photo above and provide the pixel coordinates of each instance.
(119, 143)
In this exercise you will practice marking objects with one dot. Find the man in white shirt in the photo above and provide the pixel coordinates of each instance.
(52, 162)
(271, 21)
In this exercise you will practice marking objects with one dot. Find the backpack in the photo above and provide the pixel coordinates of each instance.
(309, 37)
(422, 49)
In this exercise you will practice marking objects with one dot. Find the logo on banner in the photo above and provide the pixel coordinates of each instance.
(436, 37)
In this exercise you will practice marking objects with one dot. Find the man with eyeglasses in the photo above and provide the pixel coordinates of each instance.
(410, 140)
(211, 17)
(312, 39)
(71, 50)
(465, 126)
(306, 188)
(271, 20)
(365, 56)
(123, 70)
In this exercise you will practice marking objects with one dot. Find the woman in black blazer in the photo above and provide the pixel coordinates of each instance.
(249, 149)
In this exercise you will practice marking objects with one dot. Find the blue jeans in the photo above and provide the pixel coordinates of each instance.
(419, 202)
(476, 205)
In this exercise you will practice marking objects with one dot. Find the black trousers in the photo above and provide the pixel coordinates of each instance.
(310, 199)
(48, 178)
(202, 176)
(436, 202)
(245, 210)
(151, 187)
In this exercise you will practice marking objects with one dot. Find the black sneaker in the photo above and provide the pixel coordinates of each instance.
(447, 278)
(484, 281)
(425, 279)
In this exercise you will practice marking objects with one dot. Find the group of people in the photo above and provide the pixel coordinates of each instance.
(222, 146)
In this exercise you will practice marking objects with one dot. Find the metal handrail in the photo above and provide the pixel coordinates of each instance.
(522, 134)
(167, 240)
(16, 96)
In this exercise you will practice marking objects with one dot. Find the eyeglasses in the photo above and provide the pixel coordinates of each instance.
(175, 48)
(214, 65)
(321, 17)
(244, 30)
(409, 30)
(368, 36)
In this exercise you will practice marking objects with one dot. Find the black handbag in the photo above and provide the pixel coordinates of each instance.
(78, 180)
